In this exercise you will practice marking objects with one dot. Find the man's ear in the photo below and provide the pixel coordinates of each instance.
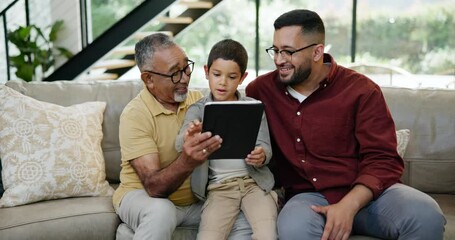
(206, 70)
(318, 53)
(243, 77)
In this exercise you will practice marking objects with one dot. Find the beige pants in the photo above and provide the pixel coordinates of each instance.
(224, 202)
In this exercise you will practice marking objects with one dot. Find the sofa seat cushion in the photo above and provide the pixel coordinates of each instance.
(71, 218)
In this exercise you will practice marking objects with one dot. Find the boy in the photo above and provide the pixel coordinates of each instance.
(234, 184)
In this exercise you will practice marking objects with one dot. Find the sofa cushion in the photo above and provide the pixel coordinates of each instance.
(49, 151)
(71, 218)
(65, 93)
(403, 136)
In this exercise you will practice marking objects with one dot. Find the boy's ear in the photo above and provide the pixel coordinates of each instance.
(206, 70)
(243, 77)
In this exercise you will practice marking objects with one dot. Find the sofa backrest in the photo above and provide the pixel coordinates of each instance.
(430, 155)
(428, 113)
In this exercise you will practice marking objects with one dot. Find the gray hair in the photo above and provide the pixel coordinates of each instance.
(146, 48)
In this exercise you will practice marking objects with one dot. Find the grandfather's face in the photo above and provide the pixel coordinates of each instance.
(296, 67)
(167, 62)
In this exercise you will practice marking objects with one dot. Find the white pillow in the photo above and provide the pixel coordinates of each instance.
(48, 151)
(403, 136)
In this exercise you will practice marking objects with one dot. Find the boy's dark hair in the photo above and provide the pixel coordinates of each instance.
(310, 22)
(229, 49)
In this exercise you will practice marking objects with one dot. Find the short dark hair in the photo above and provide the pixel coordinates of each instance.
(310, 21)
(146, 48)
(229, 49)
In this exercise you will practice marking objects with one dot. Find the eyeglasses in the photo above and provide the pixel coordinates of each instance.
(177, 76)
(273, 52)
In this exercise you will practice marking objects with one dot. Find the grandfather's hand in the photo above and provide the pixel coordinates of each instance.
(198, 146)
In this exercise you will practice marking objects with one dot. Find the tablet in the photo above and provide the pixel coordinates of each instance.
(237, 123)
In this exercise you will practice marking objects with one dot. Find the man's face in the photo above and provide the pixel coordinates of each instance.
(293, 68)
(168, 62)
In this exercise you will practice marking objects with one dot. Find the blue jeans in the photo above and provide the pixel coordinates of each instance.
(400, 212)
(157, 218)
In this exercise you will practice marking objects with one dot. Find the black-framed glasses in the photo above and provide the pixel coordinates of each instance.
(177, 76)
(273, 51)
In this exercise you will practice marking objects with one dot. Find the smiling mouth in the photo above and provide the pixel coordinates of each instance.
(285, 70)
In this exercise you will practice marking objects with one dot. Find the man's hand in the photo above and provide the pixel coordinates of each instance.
(340, 216)
(198, 146)
(339, 219)
(256, 157)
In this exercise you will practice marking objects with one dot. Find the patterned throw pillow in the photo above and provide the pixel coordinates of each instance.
(48, 151)
(403, 136)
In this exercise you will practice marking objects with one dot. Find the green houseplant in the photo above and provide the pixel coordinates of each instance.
(37, 51)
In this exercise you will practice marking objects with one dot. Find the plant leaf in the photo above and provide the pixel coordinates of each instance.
(56, 27)
(65, 52)
(25, 72)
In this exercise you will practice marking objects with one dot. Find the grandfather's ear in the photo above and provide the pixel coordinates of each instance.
(145, 77)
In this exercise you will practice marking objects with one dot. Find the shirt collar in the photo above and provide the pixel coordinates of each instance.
(328, 59)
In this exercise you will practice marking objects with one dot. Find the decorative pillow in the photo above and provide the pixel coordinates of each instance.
(48, 151)
(403, 136)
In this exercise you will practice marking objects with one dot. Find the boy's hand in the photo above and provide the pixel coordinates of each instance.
(256, 157)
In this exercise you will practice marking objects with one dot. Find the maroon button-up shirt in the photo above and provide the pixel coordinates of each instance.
(341, 135)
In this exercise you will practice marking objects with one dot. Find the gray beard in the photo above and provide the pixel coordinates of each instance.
(180, 97)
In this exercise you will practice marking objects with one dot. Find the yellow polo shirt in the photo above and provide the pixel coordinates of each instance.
(147, 127)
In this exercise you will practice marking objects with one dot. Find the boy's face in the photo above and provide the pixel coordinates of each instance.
(224, 77)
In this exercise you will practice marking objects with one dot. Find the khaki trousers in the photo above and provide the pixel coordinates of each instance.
(224, 202)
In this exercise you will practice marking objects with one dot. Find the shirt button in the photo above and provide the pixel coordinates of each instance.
(298, 139)
(314, 179)
(298, 113)
(286, 93)
(303, 161)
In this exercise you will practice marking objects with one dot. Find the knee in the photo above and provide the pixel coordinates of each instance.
(162, 211)
(425, 218)
(299, 223)
(428, 214)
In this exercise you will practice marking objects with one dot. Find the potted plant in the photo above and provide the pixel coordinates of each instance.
(37, 51)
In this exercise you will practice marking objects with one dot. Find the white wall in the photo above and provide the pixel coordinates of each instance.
(70, 37)
(43, 13)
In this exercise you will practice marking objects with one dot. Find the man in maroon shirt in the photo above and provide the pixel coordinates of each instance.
(335, 145)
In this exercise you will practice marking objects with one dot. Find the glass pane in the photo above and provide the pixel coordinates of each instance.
(408, 43)
(220, 23)
(105, 13)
